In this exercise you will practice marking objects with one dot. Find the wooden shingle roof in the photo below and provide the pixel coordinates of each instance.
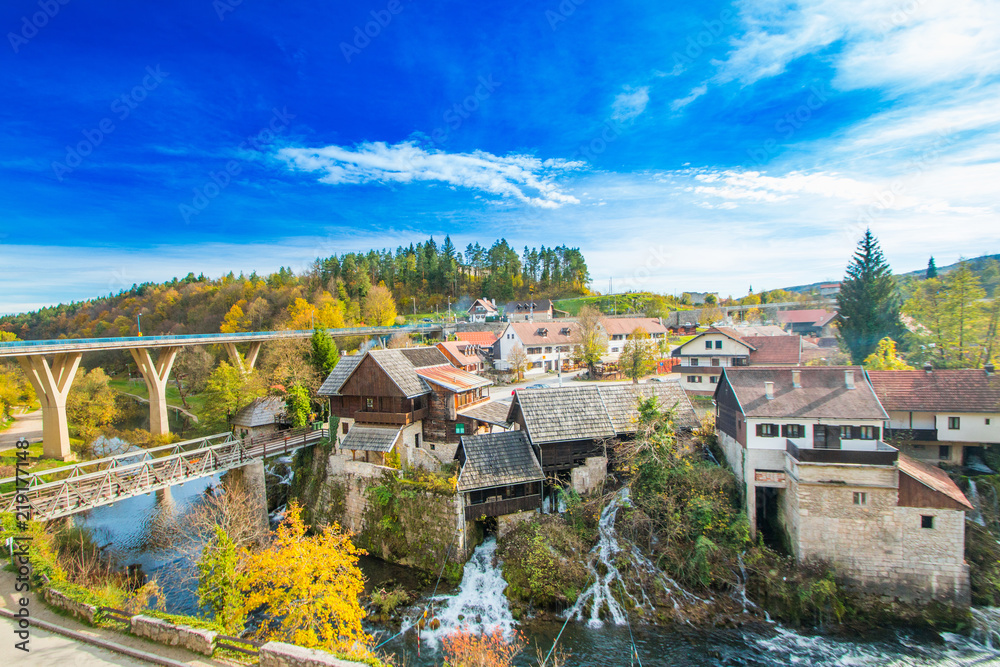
(402, 372)
(566, 413)
(497, 459)
(494, 412)
(260, 412)
(622, 403)
(338, 376)
(370, 438)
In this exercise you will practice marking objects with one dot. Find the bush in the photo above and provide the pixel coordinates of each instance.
(542, 562)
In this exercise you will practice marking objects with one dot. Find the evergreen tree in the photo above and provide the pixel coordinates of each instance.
(931, 268)
(868, 301)
(324, 352)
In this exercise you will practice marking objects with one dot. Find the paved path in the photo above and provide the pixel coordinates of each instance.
(142, 399)
(51, 648)
(26, 425)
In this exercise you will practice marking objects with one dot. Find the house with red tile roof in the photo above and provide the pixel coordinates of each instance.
(544, 343)
(484, 339)
(703, 357)
(462, 355)
(939, 414)
(806, 444)
(621, 329)
(811, 322)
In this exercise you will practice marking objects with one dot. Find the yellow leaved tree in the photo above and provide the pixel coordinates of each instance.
(309, 586)
(885, 358)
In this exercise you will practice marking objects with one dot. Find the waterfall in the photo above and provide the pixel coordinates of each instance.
(976, 514)
(600, 595)
(479, 605)
(986, 626)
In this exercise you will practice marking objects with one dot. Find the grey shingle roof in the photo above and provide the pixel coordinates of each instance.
(567, 413)
(823, 393)
(622, 403)
(338, 376)
(494, 412)
(401, 371)
(424, 356)
(497, 459)
(260, 412)
(370, 439)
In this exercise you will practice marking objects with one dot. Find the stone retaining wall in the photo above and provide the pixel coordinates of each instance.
(165, 632)
(60, 600)
(279, 654)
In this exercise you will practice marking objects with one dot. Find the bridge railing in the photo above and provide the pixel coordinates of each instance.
(118, 460)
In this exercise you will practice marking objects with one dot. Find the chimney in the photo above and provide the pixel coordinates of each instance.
(796, 378)
(928, 368)
(849, 379)
(769, 390)
(988, 368)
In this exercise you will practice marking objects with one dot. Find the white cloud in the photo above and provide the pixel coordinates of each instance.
(630, 104)
(695, 93)
(522, 177)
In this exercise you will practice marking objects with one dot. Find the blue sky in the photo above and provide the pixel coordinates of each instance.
(682, 146)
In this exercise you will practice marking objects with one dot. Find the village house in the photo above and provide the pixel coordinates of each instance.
(261, 417)
(703, 357)
(805, 445)
(409, 401)
(462, 355)
(544, 343)
(499, 475)
(571, 426)
(941, 415)
(682, 322)
(621, 329)
(482, 309)
(815, 322)
(481, 339)
(530, 310)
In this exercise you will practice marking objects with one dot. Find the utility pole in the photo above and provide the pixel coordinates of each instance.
(559, 366)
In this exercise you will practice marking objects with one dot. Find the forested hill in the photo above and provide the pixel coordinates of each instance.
(337, 291)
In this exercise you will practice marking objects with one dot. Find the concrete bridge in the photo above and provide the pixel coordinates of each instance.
(63, 491)
(51, 366)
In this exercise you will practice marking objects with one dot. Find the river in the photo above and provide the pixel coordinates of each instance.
(128, 528)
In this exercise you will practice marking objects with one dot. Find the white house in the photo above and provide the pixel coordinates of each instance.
(703, 357)
(941, 414)
(542, 342)
(482, 309)
(620, 329)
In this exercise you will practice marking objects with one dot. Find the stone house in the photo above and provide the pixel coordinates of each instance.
(414, 392)
(805, 444)
(941, 415)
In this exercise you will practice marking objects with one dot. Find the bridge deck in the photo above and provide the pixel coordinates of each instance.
(59, 492)
(32, 347)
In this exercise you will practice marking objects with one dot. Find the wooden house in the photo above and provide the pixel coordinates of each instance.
(499, 475)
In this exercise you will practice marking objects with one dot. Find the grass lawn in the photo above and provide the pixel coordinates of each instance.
(617, 303)
(196, 401)
(36, 463)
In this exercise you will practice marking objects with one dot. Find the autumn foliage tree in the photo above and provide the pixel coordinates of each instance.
(638, 357)
(379, 308)
(310, 586)
(468, 649)
(884, 358)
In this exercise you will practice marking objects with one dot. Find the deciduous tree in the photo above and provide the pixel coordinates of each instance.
(638, 356)
(227, 391)
(593, 338)
(884, 358)
(297, 405)
(379, 308)
(91, 403)
(518, 360)
(218, 582)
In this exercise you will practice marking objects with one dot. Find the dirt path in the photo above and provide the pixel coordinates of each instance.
(143, 399)
(26, 425)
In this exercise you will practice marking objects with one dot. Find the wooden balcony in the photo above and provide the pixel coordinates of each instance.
(913, 434)
(502, 507)
(395, 418)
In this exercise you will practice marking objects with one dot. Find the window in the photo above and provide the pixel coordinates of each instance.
(694, 361)
(868, 433)
(416, 440)
(343, 426)
(944, 451)
(370, 403)
(767, 430)
(718, 345)
(793, 430)
(694, 378)
(954, 423)
(845, 433)
(460, 428)
(860, 498)
(714, 379)
(926, 521)
(715, 361)
(987, 421)
(708, 345)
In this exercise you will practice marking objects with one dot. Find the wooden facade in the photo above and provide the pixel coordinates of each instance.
(913, 493)
(729, 416)
(503, 500)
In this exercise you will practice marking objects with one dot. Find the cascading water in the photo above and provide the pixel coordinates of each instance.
(977, 514)
(599, 597)
(479, 605)
(986, 626)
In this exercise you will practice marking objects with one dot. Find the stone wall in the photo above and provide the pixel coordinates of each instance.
(62, 601)
(589, 477)
(878, 546)
(279, 654)
(164, 632)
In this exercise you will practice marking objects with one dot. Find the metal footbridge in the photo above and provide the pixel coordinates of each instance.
(59, 492)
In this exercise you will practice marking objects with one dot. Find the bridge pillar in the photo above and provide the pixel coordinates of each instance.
(51, 384)
(155, 374)
(245, 364)
(250, 478)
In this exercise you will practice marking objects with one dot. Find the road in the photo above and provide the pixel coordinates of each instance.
(26, 425)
